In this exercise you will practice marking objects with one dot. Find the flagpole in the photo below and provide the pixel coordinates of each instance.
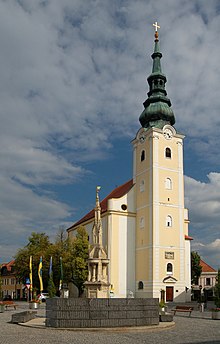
(61, 274)
(31, 280)
(40, 275)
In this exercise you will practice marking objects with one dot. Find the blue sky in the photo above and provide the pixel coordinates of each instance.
(72, 84)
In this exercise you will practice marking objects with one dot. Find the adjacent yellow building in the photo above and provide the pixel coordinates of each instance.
(145, 223)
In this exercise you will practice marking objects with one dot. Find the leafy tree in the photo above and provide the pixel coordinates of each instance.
(217, 291)
(196, 268)
(37, 246)
(74, 253)
(76, 266)
(1, 293)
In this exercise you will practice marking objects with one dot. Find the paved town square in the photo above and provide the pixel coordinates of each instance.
(199, 328)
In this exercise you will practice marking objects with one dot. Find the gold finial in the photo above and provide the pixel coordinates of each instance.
(97, 192)
(98, 188)
(156, 30)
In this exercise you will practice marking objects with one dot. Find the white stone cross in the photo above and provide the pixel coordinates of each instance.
(156, 26)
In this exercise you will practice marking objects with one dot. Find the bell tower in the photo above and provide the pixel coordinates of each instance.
(162, 249)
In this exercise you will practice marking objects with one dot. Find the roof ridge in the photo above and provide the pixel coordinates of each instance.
(201, 260)
(118, 192)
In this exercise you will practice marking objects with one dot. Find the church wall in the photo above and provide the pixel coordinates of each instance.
(169, 194)
(121, 245)
(115, 204)
(122, 263)
(188, 269)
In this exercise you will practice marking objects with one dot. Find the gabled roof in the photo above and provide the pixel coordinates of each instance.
(8, 265)
(116, 193)
(206, 267)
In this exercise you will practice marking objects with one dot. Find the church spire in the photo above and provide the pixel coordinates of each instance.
(97, 227)
(157, 108)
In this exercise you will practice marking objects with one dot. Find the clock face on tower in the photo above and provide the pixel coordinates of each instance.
(168, 132)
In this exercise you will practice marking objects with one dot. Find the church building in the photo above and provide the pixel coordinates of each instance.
(144, 221)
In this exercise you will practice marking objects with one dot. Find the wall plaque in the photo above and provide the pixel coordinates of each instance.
(169, 255)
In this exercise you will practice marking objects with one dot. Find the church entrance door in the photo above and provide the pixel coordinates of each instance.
(169, 293)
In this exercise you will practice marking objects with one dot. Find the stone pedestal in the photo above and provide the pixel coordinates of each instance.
(97, 290)
(166, 317)
(216, 315)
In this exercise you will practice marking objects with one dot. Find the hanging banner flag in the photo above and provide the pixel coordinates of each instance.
(50, 268)
(30, 274)
(40, 275)
(61, 274)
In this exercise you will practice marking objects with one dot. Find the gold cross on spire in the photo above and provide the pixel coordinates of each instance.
(156, 31)
(156, 26)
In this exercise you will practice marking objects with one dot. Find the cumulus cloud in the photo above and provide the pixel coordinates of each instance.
(203, 201)
(209, 252)
(73, 80)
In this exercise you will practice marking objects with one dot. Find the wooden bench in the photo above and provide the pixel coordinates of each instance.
(9, 304)
(188, 309)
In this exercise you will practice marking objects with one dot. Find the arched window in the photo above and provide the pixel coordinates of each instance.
(168, 152)
(140, 285)
(169, 221)
(169, 268)
(142, 186)
(168, 183)
(143, 155)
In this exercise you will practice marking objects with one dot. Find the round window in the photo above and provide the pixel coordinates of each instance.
(124, 207)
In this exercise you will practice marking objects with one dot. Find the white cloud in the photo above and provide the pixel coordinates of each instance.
(203, 201)
(209, 252)
(73, 80)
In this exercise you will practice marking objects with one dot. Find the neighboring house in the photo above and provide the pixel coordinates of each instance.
(206, 282)
(208, 276)
(10, 285)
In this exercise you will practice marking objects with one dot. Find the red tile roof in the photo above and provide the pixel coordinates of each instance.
(206, 267)
(8, 265)
(187, 237)
(116, 193)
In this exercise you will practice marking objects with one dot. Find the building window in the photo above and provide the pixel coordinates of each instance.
(142, 222)
(124, 207)
(142, 186)
(169, 221)
(168, 184)
(208, 281)
(143, 155)
(168, 152)
(140, 285)
(169, 268)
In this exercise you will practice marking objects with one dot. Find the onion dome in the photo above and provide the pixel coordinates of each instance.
(157, 108)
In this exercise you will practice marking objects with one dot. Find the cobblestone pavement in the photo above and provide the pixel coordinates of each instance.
(200, 328)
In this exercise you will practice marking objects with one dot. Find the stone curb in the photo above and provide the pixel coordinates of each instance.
(40, 324)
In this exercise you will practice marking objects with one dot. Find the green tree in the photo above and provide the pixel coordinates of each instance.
(74, 253)
(1, 293)
(37, 246)
(217, 290)
(196, 268)
(76, 265)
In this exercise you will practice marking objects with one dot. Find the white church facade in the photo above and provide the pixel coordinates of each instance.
(144, 221)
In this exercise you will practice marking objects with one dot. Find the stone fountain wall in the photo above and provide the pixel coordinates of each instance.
(88, 313)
